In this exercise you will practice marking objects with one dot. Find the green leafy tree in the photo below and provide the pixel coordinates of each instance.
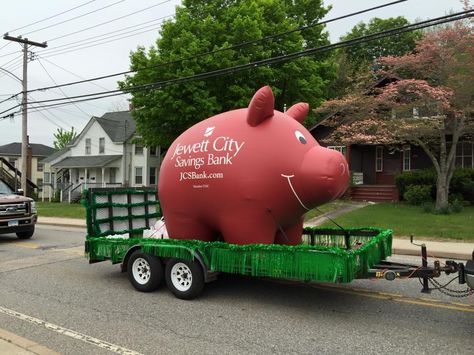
(209, 25)
(356, 63)
(63, 138)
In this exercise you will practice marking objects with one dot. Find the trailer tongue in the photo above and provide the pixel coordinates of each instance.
(118, 217)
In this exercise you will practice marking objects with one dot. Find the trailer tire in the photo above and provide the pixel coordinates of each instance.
(145, 272)
(185, 278)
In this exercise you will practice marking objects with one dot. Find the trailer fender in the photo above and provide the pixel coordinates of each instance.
(127, 257)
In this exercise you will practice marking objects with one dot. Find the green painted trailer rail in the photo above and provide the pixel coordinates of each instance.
(325, 255)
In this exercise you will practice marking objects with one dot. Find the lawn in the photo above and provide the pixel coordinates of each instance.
(406, 220)
(328, 207)
(66, 210)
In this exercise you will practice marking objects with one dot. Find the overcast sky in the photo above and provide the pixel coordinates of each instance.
(67, 60)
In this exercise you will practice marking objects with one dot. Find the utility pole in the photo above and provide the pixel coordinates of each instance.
(24, 103)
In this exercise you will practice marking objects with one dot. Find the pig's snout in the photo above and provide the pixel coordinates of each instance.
(325, 175)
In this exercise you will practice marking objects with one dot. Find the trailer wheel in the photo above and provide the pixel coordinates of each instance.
(145, 272)
(184, 278)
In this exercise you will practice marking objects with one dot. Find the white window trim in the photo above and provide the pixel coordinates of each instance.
(88, 140)
(135, 150)
(138, 183)
(379, 156)
(340, 148)
(102, 147)
(463, 155)
(406, 157)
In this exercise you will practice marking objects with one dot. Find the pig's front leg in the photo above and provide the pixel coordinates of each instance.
(290, 235)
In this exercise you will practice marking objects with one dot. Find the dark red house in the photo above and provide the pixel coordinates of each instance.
(374, 166)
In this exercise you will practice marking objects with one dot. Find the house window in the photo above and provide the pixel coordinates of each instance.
(47, 178)
(138, 149)
(39, 182)
(40, 167)
(113, 175)
(88, 146)
(154, 151)
(12, 161)
(101, 145)
(465, 155)
(406, 158)
(152, 176)
(416, 112)
(340, 148)
(138, 175)
(379, 159)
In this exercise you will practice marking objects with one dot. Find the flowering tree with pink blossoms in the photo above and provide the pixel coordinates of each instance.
(429, 103)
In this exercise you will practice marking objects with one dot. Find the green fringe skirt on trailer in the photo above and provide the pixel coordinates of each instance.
(324, 256)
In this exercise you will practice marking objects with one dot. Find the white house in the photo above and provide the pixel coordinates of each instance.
(105, 154)
(36, 169)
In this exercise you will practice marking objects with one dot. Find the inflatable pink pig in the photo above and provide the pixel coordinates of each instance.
(248, 176)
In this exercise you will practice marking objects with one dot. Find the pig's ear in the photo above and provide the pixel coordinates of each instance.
(261, 106)
(298, 111)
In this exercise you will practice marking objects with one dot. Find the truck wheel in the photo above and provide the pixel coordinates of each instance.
(184, 278)
(26, 234)
(145, 272)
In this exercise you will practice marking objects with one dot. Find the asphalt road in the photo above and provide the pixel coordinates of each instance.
(51, 295)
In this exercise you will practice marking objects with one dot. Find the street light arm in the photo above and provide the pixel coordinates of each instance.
(11, 74)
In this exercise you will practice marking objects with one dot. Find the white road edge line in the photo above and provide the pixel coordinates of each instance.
(68, 332)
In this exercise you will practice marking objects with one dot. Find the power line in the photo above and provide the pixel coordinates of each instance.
(72, 73)
(229, 48)
(44, 115)
(50, 17)
(73, 49)
(8, 54)
(253, 65)
(109, 21)
(74, 18)
(268, 61)
(285, 57)
(57, 48)
(5, 45)
(62, 91)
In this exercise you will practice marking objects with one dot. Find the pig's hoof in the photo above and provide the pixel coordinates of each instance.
(184, 278)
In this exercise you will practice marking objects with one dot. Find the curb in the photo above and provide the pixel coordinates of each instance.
(61, 224)
(11, 342)
(436, 255)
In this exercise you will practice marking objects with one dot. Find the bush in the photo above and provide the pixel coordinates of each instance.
(57, 196)
(460, 188)
(425, 177)
(417, 194)
(462, 184)
(457, 206)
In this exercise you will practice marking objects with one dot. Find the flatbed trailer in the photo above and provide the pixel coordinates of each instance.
(118, 217)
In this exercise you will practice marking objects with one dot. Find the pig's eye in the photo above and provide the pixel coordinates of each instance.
(300, 137)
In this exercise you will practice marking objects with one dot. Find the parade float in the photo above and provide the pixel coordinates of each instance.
(232, 194)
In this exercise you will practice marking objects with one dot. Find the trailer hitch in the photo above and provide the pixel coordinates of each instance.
(390, 271)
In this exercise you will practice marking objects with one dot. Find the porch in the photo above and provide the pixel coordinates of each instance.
(74, 174)
(374, 193)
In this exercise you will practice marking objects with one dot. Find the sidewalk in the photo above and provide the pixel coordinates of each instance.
(64, 222)
(13, 344)
(400, 246)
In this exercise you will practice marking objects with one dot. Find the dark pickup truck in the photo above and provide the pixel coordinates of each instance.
(17, 213)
